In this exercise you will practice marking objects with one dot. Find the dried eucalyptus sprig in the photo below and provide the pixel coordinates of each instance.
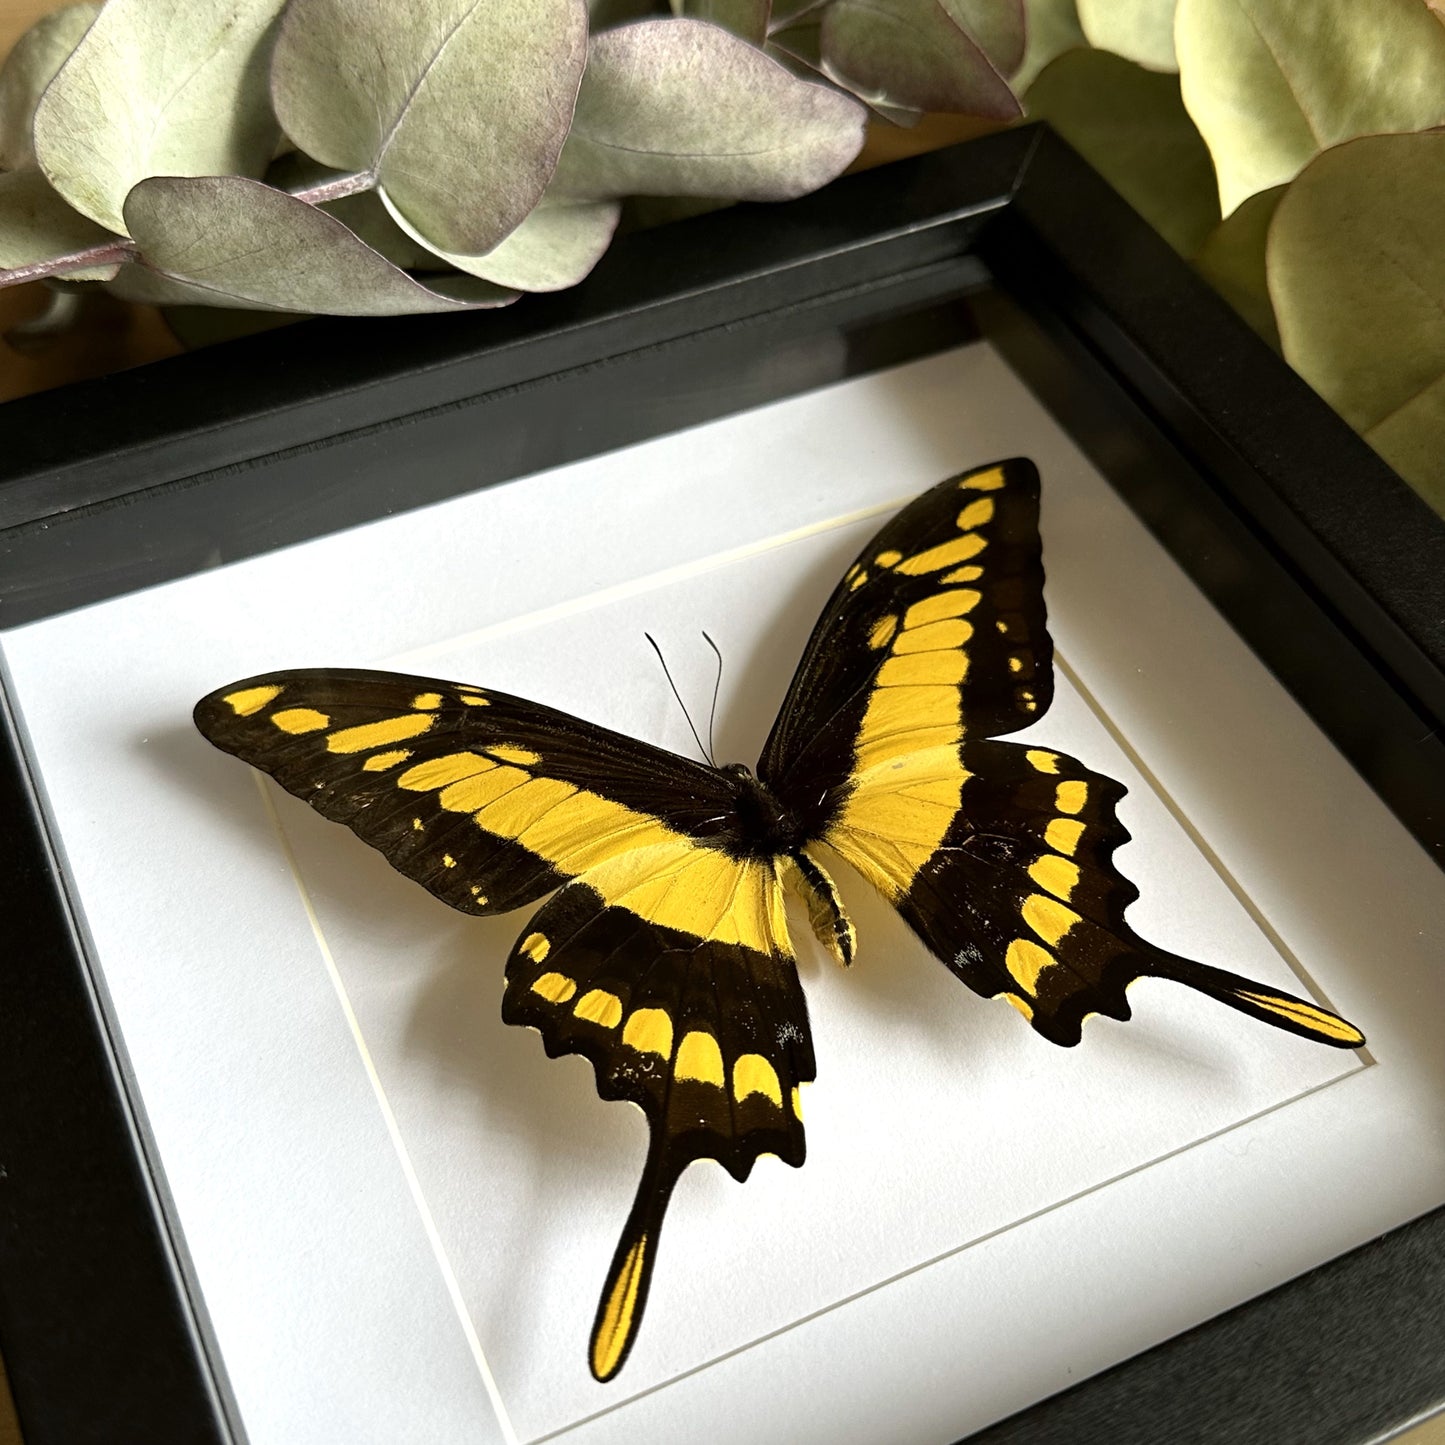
(440, 154)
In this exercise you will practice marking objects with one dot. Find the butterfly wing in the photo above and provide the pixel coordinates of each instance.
(664, 958)
(999, 856)
(487, 800)
(704, 1027)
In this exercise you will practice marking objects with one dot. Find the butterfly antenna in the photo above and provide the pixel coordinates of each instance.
(716, 688)
(668, 675)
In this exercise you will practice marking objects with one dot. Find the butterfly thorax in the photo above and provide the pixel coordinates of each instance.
(765, 827)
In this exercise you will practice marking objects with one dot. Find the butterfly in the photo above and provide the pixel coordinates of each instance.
(663, 954)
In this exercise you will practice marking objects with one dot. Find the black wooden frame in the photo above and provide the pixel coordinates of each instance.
(1327, 564)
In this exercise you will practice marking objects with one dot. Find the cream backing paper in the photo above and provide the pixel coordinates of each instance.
(399, 1211)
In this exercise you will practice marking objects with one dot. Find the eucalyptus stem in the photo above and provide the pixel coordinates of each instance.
(122, 249)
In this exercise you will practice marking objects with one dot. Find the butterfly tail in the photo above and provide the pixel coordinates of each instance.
(1283, 1010)
(624, 1296)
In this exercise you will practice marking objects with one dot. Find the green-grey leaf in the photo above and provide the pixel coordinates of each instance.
(1271, 83)
(36, 225)
(158, 87)
(1139, 30)
(1131, 126)
(28, 69)
(1357, 276)
(458, 108)
(997, 27)
(912, 54)
(747, 18)
(1232, 261)
(555, 247)
(681, 108)
(366, 216)
(228, 241)
(1052, 27)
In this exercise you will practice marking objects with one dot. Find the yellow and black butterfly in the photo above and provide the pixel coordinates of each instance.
(663, 955)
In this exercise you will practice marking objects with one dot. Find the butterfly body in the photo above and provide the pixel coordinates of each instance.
(663, 954)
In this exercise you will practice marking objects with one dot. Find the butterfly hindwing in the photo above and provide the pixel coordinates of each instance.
(700, 1021)
(1023, 900)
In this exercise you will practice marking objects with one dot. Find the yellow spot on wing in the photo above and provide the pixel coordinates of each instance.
(1055, 875)
(536, 946)
(510, 753)
(649, 1031)
(962, 574)
(989, 481)
(960, 549)
(448, 861)
(300, 720)
(753, 1074)
(380, 762)
(923, 669)
(882, 632)
(378, 734)
(976, 514)
(1062, 835)
(1320, 1020)
(600, 1007)
(250, 699)
(427, 701)
(555, 987)
(1042, 761)
(1025, 960)
(953, 603)
(699, 1059)
(1070, 797)
(797, 1104)
(888, 558)
(614, 1329)
(473, 699)
(438, 772)
(1015, 664)
(933, 636)
(1018, 1003)
(857, 580)
(1048, 917)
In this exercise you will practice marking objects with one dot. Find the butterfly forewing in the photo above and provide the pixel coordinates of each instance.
(489, 801)
(936, 631)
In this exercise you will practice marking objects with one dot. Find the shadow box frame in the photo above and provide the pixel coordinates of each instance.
(1324, 561)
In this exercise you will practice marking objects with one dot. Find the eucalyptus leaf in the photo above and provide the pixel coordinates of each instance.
(682, 108)
(365, 215)
(1270, 83)
(28, 69)
(458, 108)
(1139, 30)
(36, 225)
(997, 27)
(1052, 27)
(1232, 261)
(912, 54)
(747, 18)
(158, 87)
(1130, 124)
(1357, 277)
(555, 247)
(229, 241)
